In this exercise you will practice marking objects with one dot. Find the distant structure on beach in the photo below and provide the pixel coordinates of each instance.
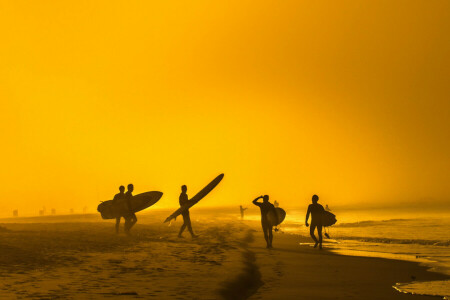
(16, 213)
(53, 211)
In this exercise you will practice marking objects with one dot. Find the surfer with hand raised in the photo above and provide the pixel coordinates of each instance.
(316, 210)
(242, 211)
(266, 207)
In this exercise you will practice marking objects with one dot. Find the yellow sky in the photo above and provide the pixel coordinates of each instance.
(349, 100)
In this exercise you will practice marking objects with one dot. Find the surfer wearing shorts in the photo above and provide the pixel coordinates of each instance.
(266, 207)
(316, 210)
(130, 217)
(186, 217)
(117, 199)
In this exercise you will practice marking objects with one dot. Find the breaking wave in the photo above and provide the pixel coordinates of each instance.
(443, 243)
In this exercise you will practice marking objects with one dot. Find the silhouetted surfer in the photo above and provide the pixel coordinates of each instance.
(265, 207)
(242, 211)
(316, 211)
(130, 217)
(186, 218)
(118, 198)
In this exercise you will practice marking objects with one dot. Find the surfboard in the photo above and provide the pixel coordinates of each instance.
(199, 196)
(275, 221)
(328, 219)
(110, 210)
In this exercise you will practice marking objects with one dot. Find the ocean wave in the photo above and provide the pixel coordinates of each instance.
(373, 223)
(443, 243)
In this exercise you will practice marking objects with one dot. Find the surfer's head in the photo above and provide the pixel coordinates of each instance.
(315, 198)
(130, 187)
(266, 198)
(184, 188)
(121, 188)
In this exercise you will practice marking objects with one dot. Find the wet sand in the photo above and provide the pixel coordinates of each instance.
(72, 257)
(291, 271)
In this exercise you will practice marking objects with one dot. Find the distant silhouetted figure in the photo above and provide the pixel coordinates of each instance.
(16, 213)
(276, 204)
(242, 211)
(327, 208)
(316, 210)
(53, 211)
(186, 217)
(84, 209)
(41, 212)
(265, 207)
(119, 198)
(130, 217)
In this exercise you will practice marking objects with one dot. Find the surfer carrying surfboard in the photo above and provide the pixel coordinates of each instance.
(316, 210)
(266, 207)
(118, 198)
(186, 217)
(130, 217)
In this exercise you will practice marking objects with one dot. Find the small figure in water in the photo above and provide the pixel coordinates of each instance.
(118, 198)
(275, 203)
(265, 207)
(316, 211)
(130, 217)
(186, 218)
(242, 211)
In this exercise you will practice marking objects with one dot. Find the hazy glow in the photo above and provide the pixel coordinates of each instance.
(349, 100)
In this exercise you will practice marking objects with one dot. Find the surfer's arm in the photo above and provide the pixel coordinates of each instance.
(307, 217)
(255, 201)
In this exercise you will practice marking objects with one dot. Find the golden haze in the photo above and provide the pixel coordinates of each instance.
(348, 100)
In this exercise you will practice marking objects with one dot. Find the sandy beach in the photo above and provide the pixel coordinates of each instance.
(80, 257)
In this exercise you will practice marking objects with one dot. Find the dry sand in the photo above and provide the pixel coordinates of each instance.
(77, 257)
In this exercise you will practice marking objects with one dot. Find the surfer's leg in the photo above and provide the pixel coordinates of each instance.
(126, 226)
(133, 221)
(265, 229)
(311, 232)
(189, 227)
(117, 224)
(319, 231)
(270, 236)
(182, 229)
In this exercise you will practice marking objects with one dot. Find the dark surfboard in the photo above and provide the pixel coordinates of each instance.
(199, 196)
(110, 210)
(328, 219)
(275, 221)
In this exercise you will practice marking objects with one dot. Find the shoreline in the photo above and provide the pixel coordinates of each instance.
(299, 268)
